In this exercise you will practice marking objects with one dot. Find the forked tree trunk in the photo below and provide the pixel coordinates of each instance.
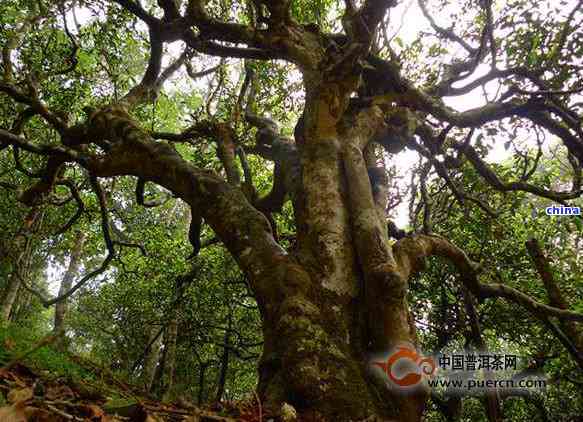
(343, 296)
(340, 295)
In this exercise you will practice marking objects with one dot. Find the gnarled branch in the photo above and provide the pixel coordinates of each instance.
(411, 253)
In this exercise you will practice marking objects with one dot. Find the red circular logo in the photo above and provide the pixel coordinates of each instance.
(416, 364)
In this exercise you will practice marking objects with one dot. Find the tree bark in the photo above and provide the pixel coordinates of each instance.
(343, 297)
(9, 297)
(200, 397)
(152, 358)
(556, 298)
(72, 270)
(224, 366)
(20, 262)
(492, 400)
(340, 296)
(170, 356)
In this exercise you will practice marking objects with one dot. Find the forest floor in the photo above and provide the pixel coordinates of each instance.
(44, 385)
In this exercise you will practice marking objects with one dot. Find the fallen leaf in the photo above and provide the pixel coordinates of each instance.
(19, 395)
(38, 415)
(91, 411)
(18, 380)
(14, 413)
(108, 418)
(60, 392)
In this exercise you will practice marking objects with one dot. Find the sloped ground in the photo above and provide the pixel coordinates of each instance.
(39, 395)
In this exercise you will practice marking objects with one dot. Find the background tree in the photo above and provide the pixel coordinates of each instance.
(511, 241)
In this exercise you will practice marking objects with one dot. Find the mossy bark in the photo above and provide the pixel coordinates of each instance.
(68, 278)
(342, 297)
(316, 355)
(339, 295)
(21, 253)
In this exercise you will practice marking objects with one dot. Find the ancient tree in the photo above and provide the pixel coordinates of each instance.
(340, 292)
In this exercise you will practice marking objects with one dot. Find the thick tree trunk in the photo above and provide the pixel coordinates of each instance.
(200, 397)
(344, 296)
(340, 295)
(24, 301)
(66, 283)
(315, 358)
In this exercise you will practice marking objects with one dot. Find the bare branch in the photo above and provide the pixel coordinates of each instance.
(215, 49)
(565, 31)
(535, 110)
(373, 11)
(35, 103)
(545, 92)
(171, 69)
(459, 193)
(140, 186)
(8, 138)
(80, 206)
(145, 90)
(223, 206)
(72, 59)
(446, 33)
(171, 9)
(493, 180)
(101, 269)
(135, 8)
(12, 42)
(50, 176)
(200, 74)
